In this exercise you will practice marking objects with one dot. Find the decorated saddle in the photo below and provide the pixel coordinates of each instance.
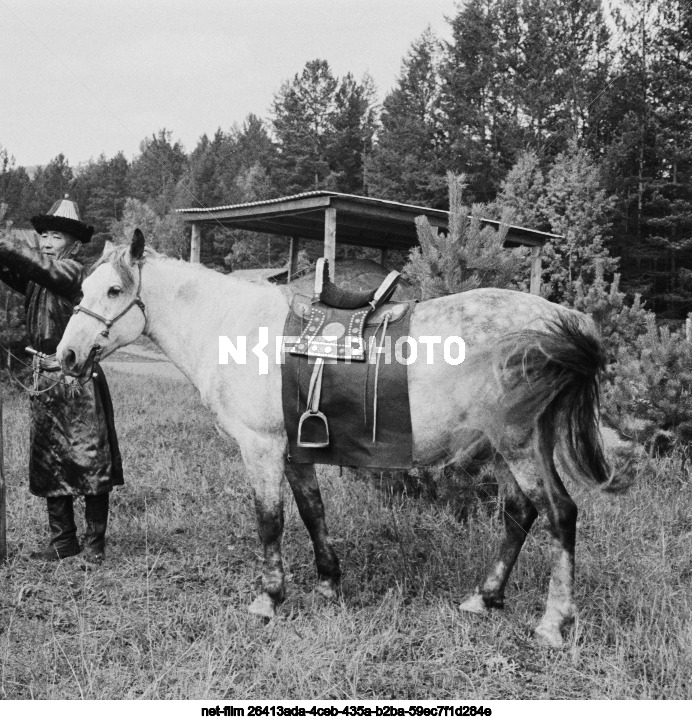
(345, 395)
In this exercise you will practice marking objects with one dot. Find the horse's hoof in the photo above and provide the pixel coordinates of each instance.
(328, 589)
(548, 636)
(263, 606)
(474, 604)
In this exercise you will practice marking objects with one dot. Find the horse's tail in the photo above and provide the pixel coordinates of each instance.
(550, 379)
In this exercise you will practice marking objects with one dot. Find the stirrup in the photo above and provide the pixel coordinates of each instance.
(313, 429)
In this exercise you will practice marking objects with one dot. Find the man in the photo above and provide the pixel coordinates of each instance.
(74, 447)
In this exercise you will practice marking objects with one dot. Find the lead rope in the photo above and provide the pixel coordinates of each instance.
(37, 374)
(36, 365)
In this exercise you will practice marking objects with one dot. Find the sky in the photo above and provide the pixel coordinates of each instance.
(85, 77)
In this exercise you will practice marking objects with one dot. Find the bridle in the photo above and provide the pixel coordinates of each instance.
(108, 322)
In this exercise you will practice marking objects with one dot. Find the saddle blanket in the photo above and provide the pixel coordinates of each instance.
(348, 399)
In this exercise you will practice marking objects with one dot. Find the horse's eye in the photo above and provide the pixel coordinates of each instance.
(114, 292)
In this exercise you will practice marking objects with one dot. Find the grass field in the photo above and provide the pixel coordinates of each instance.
(165, 616)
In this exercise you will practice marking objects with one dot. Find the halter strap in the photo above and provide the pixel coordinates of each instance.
(108, 322)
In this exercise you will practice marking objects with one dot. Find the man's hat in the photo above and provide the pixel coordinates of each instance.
(64, 217)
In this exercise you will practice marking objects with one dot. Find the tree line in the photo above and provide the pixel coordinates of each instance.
(575, 114)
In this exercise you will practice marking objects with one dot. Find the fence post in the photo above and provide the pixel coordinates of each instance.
(688, 328)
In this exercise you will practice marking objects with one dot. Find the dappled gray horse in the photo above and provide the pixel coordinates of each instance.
(528, 386)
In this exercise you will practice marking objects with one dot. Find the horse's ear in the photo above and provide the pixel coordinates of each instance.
(137, 245)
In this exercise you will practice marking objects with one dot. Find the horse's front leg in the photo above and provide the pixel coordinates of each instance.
(263, 457)
(303, 481)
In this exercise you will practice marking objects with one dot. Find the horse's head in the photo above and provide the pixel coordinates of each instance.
(111, 313)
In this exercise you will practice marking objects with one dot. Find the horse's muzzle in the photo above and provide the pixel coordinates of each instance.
(70, 364)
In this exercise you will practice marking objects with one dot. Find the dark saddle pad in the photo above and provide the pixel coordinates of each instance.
(348, 396)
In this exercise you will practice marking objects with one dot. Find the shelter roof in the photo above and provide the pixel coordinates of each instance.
(371, 222)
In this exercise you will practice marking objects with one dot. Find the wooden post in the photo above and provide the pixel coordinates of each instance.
(293, 257)
(688, 328)
(536, 269)
(3, 496)
(195, 243)
(330, 240)
(383, 257)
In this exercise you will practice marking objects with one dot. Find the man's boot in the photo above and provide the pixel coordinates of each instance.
(96, 515)
(64, 542)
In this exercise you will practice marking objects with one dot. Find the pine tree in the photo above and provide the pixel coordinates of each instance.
(100, 188)
(649, 161)
(471, 255)
(16, 189)
(156, 171)
(302, 116)
(470, 99)
(201, 185)
(52, 181)
(252, 146)
(166, 233)
(562, 70)
(407, 162)
(517, 76)
(216, 164)
(522, 191)
(324, 128)
(568, 199)
(353, 127)
(577, 208)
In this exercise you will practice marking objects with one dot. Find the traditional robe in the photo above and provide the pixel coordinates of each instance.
(74, 447)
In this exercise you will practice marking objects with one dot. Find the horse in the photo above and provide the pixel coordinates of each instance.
(528, 387)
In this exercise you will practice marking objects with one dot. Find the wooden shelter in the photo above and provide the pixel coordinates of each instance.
(341, 218)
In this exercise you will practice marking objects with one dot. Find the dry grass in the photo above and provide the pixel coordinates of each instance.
(165, 616)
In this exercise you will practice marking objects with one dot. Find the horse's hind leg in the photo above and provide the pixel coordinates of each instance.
(303, 481)
(518, 515)
(548, 494)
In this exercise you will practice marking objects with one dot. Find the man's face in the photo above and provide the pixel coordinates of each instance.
(53, 242)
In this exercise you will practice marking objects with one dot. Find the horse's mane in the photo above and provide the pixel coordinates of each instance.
(119, 258)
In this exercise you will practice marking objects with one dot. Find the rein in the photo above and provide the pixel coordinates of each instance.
(35, 366)
(108, 322)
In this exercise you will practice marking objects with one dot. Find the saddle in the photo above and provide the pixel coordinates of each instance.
(336, 318)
